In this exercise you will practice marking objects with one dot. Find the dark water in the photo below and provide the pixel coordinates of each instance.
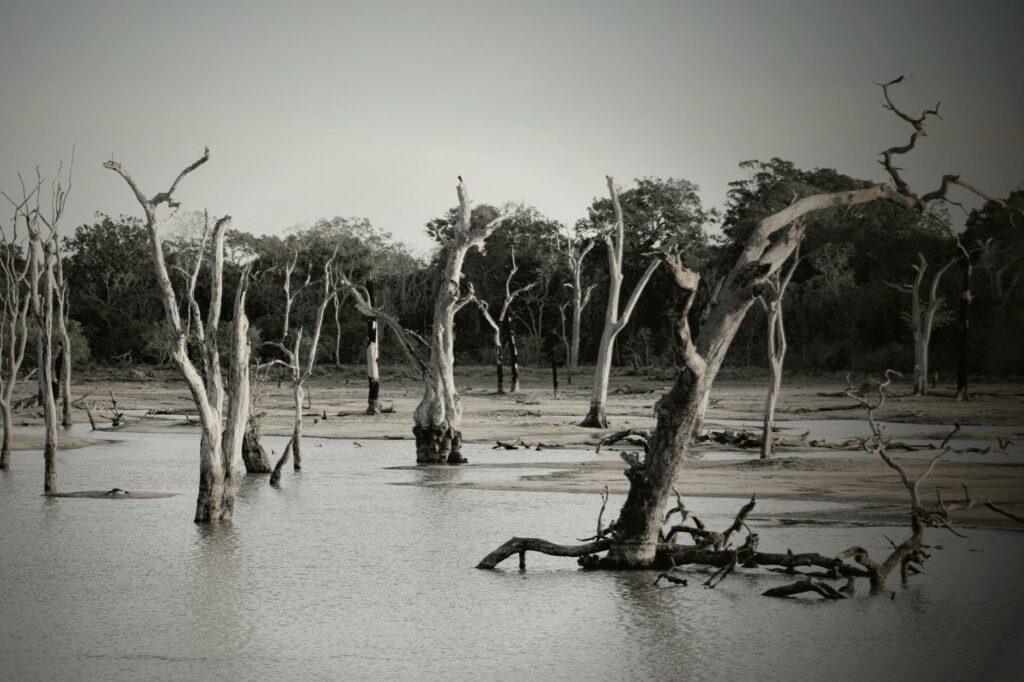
(342, 575)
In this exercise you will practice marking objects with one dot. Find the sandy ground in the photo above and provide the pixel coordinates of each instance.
(338, 399)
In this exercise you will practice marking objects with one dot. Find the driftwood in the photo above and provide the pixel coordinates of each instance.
(275, 477)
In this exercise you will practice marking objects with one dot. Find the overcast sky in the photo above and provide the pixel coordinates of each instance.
(313, 109)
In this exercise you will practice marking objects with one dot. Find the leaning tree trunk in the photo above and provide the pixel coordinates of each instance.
(253, 455)
(437, 421)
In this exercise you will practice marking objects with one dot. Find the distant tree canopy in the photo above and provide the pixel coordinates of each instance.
(841, 313)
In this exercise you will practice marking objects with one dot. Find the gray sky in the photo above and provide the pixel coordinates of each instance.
(314, 109)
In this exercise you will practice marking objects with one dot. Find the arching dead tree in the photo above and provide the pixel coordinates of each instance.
(635, 539)
(14, 308)
(575, 251)
(301, 370)
(614, 320)
(222, 414)
(438, 417)
(504, 336)
(771, 300)
(922, 318)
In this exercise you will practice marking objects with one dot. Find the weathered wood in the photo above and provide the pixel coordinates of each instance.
(522, 545)
(614, 320)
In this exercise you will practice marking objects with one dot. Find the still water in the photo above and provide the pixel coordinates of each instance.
(341, 574)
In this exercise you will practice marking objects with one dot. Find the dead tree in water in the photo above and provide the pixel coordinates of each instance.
(438, 417)
(372, 356)
(293, 355)
(504, 336)
(922, 319)
(614, 321)
(771, 300)
(715, 548)
(14, 309)
(635, 540)
(222, 414)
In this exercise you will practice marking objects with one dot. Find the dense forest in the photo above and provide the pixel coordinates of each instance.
(846, 304)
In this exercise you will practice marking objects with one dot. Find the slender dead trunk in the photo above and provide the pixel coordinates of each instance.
(772, 302)
(575, 253)
(63, 306)
(614, 321)
(438, 417)
(372, 370)
(922, 318)
(298, 394)
(337, 333)
(8, 423)
(513, 351)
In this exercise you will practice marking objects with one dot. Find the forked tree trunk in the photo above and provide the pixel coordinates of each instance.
(438, 417)
(614, 322)
(679, 412)
(575, 256)
(220, 442)
(922, 319)
(772, 301)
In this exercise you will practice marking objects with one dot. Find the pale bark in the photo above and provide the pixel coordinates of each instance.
(372, 369)
(575, 254)
(302, 370)
(634, 536)
(504, 335)
(614, 320)
(772, 302)
(14, 310)
(438, 417)
(922, 318)
(218, 464)
(62, 312)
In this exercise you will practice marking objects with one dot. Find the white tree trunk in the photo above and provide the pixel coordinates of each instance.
(437, 421)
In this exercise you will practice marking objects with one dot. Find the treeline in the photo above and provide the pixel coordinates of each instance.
(843, 308)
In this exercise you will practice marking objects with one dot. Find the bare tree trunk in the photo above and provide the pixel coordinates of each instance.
(297, 392)
(772, 302)
(614, 322)
(220, 444)
(513, 351)
(438, 417)
(337, 333)
(922, 319)
(372, 370)
(8, 422)
(63, 305)
(253, 455)
(575, 253)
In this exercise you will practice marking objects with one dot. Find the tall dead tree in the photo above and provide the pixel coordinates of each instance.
(504, 336)
(301, 370)
(372, 356)
(922, 317)
(14, 308)
(575, 252)
(222, 413)
(438, 417)
(614, 320)
(771, 300)
(636, 539)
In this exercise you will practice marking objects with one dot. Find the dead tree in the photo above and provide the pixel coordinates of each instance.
(222, 414)
(634, 540)
(716, 549)
(438, 417)
(372, 356)
(300, 371)
(922, 318)
(504, 336)
(62, 312)
(575, 253)
(614, 320)
(771, 300)
(14, 308)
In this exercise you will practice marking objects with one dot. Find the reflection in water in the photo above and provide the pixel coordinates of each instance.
(340, 574)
